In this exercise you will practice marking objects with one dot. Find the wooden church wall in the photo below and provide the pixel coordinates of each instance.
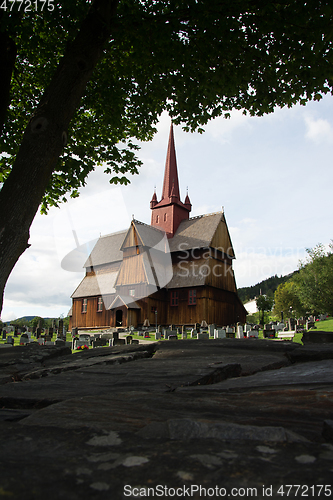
(221, 239)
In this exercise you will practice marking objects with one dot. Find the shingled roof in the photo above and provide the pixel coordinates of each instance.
(196, 232)
(95, 285)
(107, 249)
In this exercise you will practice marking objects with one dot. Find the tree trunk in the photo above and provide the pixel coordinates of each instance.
(46, 135)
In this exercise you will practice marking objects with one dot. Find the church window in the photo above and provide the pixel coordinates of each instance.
(99, 304)
(174, 298)
(192, 297)
(84, 305)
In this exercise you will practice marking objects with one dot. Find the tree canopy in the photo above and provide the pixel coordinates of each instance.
(314, 281)
(81, 83)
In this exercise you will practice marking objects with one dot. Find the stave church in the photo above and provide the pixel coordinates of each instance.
(177, 270)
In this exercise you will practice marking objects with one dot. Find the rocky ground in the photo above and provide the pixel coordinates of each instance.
(182, 419)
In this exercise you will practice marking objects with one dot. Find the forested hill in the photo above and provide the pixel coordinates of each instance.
(267, 287)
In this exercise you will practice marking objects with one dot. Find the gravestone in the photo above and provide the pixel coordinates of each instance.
(135, 341)
(10, 340)
(118, 341)
(84, 337)
(99, 342)
(115, 335)
(172, 337)
(203, 336)
(4, 335)
(158, 336)
(41, 340)
(129, 339)
(252, 334)
(219, 333)
(194, 333)
(184, 334)
(24, 339)
(240, 333)
(211, 329)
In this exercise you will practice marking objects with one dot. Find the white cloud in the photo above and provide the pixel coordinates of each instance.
(318, 130)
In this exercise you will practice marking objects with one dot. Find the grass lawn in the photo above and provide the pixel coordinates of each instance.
(324, 326)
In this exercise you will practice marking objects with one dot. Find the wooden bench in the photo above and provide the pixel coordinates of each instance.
(286, 335)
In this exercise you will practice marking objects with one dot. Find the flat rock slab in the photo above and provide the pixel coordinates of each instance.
(82, 464)
(222, 414)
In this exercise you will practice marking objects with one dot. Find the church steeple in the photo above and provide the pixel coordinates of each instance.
(170, 183)
(170, 211)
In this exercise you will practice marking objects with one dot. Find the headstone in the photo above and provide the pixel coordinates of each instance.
(4, 335)
(80, 343)
(173, 337)
(41, 340)
(219, 333)
(118, 341)
(98, 342)
(203, 336)
(158, 336)
(129, 339)
(194, 333)
(115, 335)
(211, 329)
(38, 332)
(247, 328)
(84, 337)
(24, 339)
(252, 334)
(240, 334)
(135, 341)
(10, 340)
(184, 334)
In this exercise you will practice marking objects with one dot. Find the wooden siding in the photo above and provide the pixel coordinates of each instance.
(132, 271)
(92, 318)
(221, 239)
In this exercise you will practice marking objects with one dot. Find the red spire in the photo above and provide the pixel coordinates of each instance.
(170, 182)
(153, 201)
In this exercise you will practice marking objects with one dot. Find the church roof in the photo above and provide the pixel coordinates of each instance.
(147, 236)
(197, 232)
(107, 249)
(98, 284)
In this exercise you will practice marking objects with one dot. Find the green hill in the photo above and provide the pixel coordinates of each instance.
(266, 287)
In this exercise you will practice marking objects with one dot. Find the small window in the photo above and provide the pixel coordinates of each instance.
(99, 304)
(132, 292)
(192, 297)
(174, 298)
(154, 309)
(84, 305)
(165, 217)
(157, 219)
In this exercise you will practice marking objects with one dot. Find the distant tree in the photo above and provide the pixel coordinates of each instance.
(264, 303)
(286, 300)
(83, 78)
(314, 280)
(37, 320)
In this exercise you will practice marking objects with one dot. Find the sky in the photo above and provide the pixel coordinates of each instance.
(272, 175)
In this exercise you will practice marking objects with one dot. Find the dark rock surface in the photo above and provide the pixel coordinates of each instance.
(179, 414)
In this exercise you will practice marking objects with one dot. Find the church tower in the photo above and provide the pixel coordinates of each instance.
(168, 213)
